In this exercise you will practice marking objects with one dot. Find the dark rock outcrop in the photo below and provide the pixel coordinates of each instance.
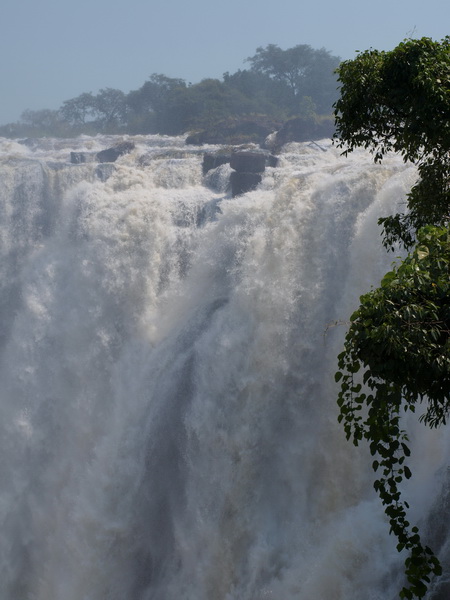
(248, 167)
(112, 154)
(104, 156)
(243, 182)
(229, 163)
(248, 162)
(271, 160)
(303, 129)
(236, 130)
(146, 160)
(218, 179)
(104, 171)
(78, 158)
(212, 160)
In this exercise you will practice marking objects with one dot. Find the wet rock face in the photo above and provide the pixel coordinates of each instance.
(78, 158)
(112, 154)
(243, 182)
(248, 167)
(248, 162)
(212, 160)
(105, 171)
(236, 130)
(303, 129)
(104, 156)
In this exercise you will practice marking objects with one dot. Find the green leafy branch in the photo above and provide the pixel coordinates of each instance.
(400, 101)
(396, 354)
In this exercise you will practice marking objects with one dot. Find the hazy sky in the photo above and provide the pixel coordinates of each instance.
(53, 50)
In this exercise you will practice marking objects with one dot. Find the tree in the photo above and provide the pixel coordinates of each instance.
(77, 110)
(110, 109)
(299, 81)
(262, 91)
(397, 349)
(104, 112)
(290, 66)
(148, 105)
(206, 103)
(400, 101)
(42, 122)
(302, 71)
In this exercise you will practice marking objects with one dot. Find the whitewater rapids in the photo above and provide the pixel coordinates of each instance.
(168, 419)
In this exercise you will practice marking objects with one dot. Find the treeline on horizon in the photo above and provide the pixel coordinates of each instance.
(278, 85)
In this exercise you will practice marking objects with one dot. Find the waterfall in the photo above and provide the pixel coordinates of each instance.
(168, 423)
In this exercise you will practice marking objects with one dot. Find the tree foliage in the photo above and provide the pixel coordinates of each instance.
(110, 109)
(397, 349)
(300, 71)
(105, 112)
(76, 111)
(44, 122)
(400, 101)
(299, 81)
(149, 105)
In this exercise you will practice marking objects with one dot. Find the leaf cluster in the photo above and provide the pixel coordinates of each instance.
(400, 101)
(397, 100)
(397, 354)
(300, 72)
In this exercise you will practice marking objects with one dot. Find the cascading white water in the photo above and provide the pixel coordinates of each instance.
(168, 419)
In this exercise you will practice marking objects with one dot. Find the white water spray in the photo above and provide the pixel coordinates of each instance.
(168, 421)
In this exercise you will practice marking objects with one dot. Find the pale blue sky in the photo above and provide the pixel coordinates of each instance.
(53, 50)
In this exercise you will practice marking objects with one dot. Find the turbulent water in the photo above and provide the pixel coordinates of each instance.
(168, 418)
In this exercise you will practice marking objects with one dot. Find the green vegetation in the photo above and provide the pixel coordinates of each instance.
(302, 74)
(278, 85)
(397, 349)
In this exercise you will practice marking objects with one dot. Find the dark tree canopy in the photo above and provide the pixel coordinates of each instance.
(302, 70)
(148, 105)
(110, 109)
(77, 111)
(400, 101)
(397, 350)
(297, 82)
(106, 112)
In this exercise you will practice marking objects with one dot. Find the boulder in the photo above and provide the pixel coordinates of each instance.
(212, 160)
(248, 162)
(112, 154)
(303, 129)
(78, 158)
(271, 160)
(145, 160)
(236, 130)
(243, 182)
(104, 171)
(218, 179)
